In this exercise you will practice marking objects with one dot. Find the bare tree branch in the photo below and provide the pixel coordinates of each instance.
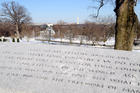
(16, 13)
(101, 5)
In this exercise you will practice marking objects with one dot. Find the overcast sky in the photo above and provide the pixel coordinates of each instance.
(51, 11)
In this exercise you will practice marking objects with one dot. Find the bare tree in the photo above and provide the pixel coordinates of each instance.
(17, 15)
(126, 23)
(27, 30)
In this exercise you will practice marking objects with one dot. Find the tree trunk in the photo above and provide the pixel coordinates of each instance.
(17, 31)
(126, 24)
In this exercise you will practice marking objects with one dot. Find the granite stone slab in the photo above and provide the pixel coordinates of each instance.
(40, 68)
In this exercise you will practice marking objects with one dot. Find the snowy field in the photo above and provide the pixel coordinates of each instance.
(109, 43)
(75, 42)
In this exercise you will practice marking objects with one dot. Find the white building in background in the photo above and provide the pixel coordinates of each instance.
(47, 34)
(49, 25)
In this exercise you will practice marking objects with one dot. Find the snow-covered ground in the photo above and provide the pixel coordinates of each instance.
(75, 42)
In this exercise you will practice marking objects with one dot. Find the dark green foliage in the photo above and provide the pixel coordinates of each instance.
(18, 40)
(4, 40)
(13, 39)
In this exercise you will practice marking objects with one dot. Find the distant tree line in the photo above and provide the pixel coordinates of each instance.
(92, 31)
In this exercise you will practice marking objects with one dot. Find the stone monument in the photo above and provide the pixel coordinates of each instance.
(40, 68)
